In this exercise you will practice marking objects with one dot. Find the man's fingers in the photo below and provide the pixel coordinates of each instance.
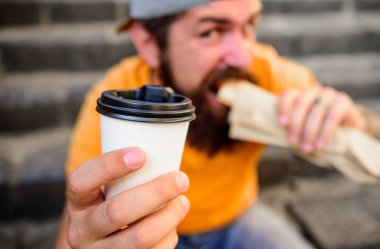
(127, 207)
(313, 125)
(299, 113)
(150, 230)
(333, 119)
(316, 119)
(285, 106)
(169, 242)
(85, 181)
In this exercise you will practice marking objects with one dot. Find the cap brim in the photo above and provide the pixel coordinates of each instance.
(124, 25)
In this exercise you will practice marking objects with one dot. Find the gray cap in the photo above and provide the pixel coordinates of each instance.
(147, 9)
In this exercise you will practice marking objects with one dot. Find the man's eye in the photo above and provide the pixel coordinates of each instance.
(213, 33)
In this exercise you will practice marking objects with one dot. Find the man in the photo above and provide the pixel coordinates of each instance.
(194, 46)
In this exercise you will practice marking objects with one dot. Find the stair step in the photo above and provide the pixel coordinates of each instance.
(367, 5)
(302, 6)
(305, 34)
(36, 156)
(96, 46)
(19, 13)
(339, 222)
(40, 12)
(32, 173)
(29, 234)
(317, 6)
(64, 47)
(356, 74)
(43, 99)
(27, 12)
(327, 210)
(46, 99)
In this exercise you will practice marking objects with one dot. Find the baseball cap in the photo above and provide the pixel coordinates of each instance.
(147, 9)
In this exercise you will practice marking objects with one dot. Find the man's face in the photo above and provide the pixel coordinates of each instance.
(211, 38)
(206, 45)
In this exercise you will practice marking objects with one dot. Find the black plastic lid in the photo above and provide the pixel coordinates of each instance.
(151, 104)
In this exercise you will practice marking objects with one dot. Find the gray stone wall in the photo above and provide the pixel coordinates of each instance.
(51, 52)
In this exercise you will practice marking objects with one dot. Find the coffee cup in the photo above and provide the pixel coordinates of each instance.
(153, 118)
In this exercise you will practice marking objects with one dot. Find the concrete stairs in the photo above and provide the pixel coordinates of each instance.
(51, 52)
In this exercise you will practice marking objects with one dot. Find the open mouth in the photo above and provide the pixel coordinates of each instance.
(214, 88)
(212, 96)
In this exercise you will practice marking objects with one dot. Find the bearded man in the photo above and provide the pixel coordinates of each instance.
(194, 46)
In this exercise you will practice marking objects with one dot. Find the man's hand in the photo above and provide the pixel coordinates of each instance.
(143, 217)
(312, 116)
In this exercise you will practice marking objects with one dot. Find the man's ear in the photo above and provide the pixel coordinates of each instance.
(145, 44)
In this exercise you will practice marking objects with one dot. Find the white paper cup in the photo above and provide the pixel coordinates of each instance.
(152, 118)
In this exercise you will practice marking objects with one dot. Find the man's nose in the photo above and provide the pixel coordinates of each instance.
(238, 51)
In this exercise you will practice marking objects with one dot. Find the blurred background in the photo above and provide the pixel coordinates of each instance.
(52, 51)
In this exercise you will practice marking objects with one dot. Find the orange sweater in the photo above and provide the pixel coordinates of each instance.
(222, 186)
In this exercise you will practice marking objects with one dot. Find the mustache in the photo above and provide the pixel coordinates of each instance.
(217, 77)
(209, 132)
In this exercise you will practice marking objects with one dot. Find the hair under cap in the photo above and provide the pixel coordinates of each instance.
(148, 9)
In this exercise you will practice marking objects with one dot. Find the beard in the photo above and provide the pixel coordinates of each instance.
(209, 131)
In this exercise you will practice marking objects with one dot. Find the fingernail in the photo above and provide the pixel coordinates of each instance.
(283, 120)
(307, 148)
(320, 145)
(134, 158)
(185, 202)
(293, 139)
(182, 181)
